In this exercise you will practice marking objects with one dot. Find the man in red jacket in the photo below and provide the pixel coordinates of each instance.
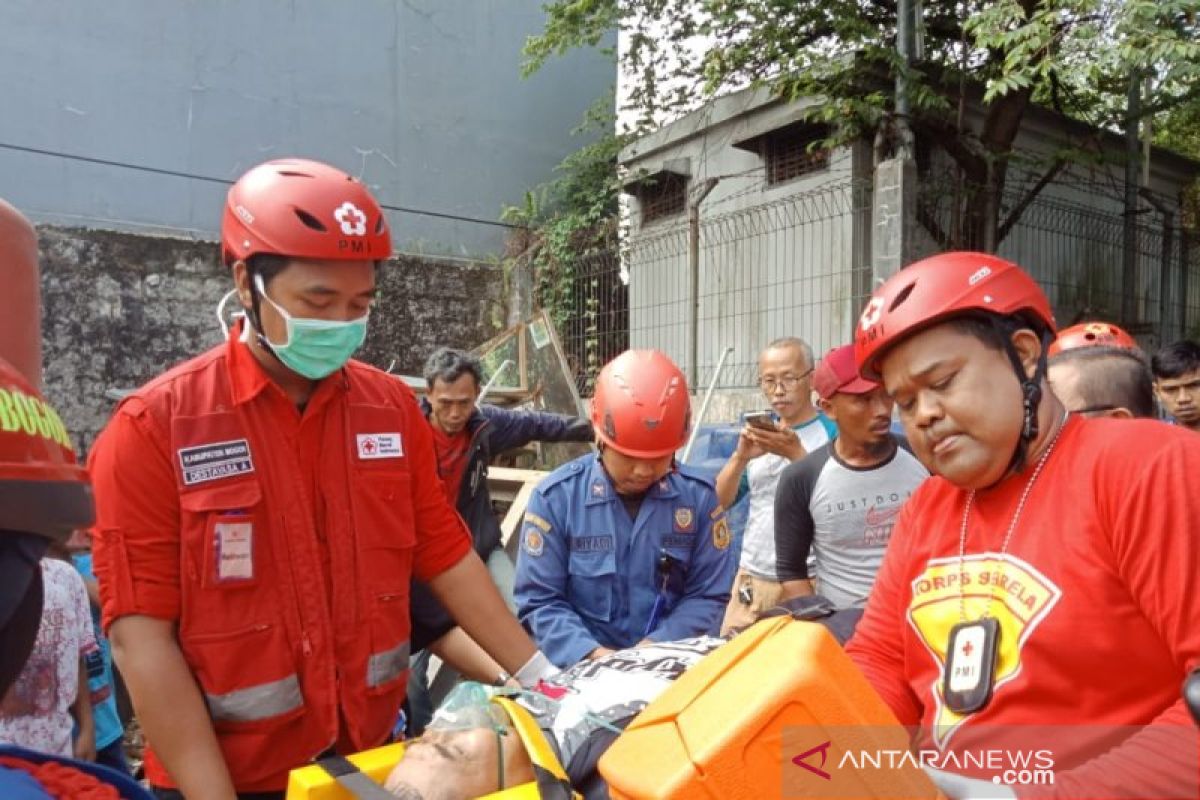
(1045, 575)
(262, 508)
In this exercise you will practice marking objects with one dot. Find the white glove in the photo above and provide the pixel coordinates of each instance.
(959, 787)
(537, 668)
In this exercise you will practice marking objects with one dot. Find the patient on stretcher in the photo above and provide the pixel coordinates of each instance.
(582, 711)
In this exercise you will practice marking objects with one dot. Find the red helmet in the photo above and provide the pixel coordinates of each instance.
(42, 488)
(302, 209)
(938, 288)
(1092, 334)
(641, 406)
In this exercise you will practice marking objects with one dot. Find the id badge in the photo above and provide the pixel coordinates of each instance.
(971, 657)
(233, 549)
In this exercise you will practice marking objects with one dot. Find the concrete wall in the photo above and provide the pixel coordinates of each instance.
(119, 309)
(420, 98)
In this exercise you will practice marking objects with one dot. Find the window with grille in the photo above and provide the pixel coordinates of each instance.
(663, 196)
(789, 156)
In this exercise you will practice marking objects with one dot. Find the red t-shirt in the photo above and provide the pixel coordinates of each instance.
(452, 453)
(1096, 598)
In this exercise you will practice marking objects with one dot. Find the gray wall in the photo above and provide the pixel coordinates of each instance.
(121, 308)
(421, 98)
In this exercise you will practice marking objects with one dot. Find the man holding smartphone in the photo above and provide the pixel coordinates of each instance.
(769, 441)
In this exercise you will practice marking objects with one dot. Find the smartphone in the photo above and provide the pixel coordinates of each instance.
(763, 420)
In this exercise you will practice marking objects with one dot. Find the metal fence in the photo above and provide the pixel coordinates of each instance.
(593, 317)
(1076, 250)
(797, 266)
(800, 266)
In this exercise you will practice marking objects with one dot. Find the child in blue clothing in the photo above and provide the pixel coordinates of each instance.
(110, 734)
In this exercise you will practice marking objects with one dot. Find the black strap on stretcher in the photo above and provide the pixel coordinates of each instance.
(352, 779)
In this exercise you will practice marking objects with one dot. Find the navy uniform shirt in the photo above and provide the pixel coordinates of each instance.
(589, 576)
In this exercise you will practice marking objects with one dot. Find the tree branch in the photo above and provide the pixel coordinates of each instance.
(931, 227)
(1014, 216)
(947, 137)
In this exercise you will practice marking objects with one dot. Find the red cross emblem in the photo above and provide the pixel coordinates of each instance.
(368, 446)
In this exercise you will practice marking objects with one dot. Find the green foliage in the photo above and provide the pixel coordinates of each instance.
(1076, 55)
(574, 216)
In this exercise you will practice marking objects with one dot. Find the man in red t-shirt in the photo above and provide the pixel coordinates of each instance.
(466, 434)
(1044, 575)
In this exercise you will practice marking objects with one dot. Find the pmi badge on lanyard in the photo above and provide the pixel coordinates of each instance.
(971, 665)
(234, 551)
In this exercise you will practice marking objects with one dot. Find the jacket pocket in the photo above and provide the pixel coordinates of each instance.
(384, 530)
(247, 675)
(592, 584)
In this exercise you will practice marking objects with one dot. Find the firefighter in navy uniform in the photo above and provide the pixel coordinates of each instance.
(625, 546)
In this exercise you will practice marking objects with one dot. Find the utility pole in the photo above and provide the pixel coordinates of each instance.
(1133, 112)
(894, 201)
(904, 46)
(694, 283)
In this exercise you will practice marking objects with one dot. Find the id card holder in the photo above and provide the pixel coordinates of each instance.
(232, 551)
(971, 656)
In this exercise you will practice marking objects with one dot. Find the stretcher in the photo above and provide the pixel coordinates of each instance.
(767, 715)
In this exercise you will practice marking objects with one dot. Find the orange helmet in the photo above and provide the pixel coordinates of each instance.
(641, 406)
(938, 288)
(42, 488)
(302, 209)
(1092, 334)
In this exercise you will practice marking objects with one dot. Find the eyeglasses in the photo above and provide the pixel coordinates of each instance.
(788, 382)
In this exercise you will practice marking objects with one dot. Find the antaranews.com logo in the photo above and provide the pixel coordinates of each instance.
(890, 762)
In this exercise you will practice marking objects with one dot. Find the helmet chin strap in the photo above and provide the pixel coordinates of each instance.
(1031, 396)
(255, 317)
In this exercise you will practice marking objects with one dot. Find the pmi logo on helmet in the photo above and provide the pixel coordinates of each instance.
(356, 246)
(871, 313)
(351, 219)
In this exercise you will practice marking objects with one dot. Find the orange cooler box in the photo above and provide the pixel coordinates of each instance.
(731, 726)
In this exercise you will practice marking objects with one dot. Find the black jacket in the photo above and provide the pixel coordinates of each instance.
(492, 430)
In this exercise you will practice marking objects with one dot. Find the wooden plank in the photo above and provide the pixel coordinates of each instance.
(516, 511)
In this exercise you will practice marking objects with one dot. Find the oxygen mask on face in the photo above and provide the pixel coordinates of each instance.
(469, 705)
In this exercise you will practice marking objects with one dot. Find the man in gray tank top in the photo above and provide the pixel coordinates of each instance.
(839, 502)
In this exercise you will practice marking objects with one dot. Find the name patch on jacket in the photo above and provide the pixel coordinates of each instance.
(211, 462)
(380, 445)
(592, 544)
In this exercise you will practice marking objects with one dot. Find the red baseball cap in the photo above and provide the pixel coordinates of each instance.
(837, 372)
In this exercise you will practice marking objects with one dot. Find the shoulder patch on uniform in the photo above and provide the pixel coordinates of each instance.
(720, 534)
(533, 519)
(532, 541)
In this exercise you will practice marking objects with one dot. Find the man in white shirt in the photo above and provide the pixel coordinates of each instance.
(785, 368)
